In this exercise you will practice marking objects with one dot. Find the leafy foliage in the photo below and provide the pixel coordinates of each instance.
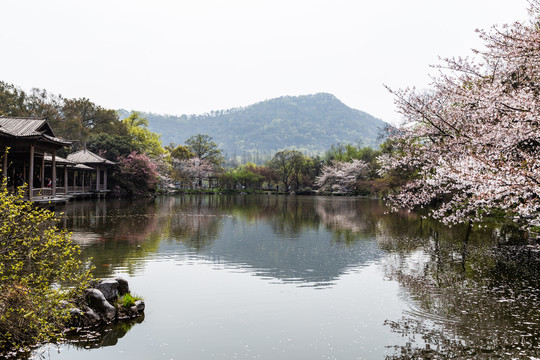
(82, 117)
(204, 148)
(149, 142)
(12, 100)
(39, 273)
(287, 164)
(249, 177)
(112, 146)
(349, 152)
(180, 152)
(128, 300)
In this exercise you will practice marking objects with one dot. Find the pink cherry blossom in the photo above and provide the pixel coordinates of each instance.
(474, 137)
(342, 176)
(195, 168)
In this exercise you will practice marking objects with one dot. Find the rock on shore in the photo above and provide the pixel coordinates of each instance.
(102, 305)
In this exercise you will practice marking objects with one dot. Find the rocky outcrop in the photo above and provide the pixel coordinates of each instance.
(102, 305)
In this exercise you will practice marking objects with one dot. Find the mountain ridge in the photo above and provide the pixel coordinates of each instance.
(310, 123)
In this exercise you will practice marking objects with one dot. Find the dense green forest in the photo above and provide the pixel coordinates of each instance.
(309, 123)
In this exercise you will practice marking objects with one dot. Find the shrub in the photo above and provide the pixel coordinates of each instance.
(40, 273)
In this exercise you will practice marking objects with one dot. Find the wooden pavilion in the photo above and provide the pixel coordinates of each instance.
(28, 149)
(99, 165)
(25, 144)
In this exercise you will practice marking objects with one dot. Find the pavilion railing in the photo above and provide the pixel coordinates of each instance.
(78, 189)
(42, 192)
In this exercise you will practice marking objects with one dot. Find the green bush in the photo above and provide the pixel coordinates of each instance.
(41, 274)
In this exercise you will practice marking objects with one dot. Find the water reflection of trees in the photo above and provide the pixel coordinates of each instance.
(107, 335)
(122, 234)
(291, 216)
(473, 299)
(349, 219)
(193, 220)
(290, 242)
(113, 233)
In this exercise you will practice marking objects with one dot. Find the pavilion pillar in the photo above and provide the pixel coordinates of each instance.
(65, 179)
(105, 179)
(42, 172)
(53, 176)
(74, 179)
(4, 169)
(31, 175)
(97, 178)
(83, 176)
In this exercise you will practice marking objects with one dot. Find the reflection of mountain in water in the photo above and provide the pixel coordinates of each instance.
(311, 257)
(293, 239)
(302, 239)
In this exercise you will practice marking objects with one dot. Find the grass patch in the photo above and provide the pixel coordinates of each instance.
(128, 300)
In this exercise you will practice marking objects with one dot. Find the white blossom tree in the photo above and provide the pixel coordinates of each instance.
(195, 169)
(342, 176)
(474, 138)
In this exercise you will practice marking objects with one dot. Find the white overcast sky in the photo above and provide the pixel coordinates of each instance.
(190, 57)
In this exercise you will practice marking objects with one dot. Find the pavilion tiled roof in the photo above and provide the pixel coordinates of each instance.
(87, 157)
(28, 127)
(59, 160)
(82, 167)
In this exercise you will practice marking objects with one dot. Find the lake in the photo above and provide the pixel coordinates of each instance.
(291, 277)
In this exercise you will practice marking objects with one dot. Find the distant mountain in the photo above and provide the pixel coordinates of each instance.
(310, 123)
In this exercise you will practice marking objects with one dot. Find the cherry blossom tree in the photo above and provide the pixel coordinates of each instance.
(195, 169)
(137, 175)
(342, 176)
(473, 139)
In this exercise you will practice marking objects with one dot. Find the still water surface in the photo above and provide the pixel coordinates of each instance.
(272, 277)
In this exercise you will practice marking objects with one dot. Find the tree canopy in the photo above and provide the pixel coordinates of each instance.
(204, 148)
(286, 164)
(180, 152)
(148, 141)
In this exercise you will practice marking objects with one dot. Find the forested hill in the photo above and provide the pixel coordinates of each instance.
(310, 123)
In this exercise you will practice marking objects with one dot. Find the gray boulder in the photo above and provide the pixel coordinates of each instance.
(140, 305)
(96, 300)
(123, 286)
(109, 289)
(91, 316)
